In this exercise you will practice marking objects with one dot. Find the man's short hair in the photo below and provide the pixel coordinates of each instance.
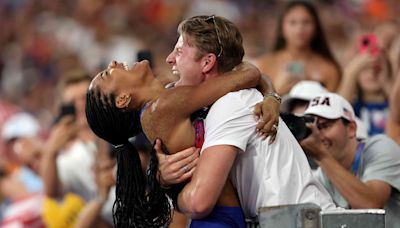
(214, 34)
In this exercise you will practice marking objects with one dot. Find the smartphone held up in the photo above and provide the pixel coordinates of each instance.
(369, 44)
(65, 110)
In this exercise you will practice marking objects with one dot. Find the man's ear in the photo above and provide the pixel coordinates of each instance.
(123, 100)
(209, 62)
(352, 129)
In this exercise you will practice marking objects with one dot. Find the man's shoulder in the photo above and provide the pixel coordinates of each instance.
(380, 143)
(244, 95)
(381, 153)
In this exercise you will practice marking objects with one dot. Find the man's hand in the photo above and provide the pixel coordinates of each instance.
(178, 167)
(104, 177)
(267, 114)
(62, 133)
(312, 145)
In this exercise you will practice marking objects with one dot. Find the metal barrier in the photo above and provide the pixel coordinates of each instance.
(360, 218)
(290, 216)
(310, 216)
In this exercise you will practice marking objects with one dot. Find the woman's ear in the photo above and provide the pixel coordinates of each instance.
(123, 100)
(209, 62)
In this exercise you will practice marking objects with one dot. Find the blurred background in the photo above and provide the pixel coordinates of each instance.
(42, 42)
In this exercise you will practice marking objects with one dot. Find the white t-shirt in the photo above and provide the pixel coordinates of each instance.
(75, 169)
(76, 174)
(264, 175)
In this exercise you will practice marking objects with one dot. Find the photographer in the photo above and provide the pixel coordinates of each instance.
(357, 174)
(71, 149)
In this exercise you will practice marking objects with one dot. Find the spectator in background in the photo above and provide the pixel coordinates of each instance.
(393, 125)
(301, 50)
(357, 174)
(366, 83)
(104, 172)
(19, 207)
(21, 134)
(71, 149)
(20, 185)
(7, 109)
(296, 102)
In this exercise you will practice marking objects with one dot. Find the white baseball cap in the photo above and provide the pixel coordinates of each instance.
(303, 90)
(330, 106)
(20, 125)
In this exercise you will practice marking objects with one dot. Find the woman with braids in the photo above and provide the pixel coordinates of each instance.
(122, 102)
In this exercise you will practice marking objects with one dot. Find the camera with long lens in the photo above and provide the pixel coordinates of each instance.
(297, 125)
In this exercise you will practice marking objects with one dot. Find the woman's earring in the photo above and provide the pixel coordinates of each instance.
(129, 101)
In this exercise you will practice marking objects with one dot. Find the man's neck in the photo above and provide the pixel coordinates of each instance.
(150, 93)
(351, 151)
(212, 73)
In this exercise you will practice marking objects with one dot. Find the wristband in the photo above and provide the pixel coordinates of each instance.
(275, 95)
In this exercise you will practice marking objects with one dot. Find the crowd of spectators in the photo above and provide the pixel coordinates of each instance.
(50, 49)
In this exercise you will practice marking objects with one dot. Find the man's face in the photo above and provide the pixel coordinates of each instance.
(76, 94)
(185, 64)
(335, 136)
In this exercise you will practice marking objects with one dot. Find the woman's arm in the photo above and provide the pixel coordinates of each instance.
(395, 100)
(265, 85)
(348, 85)
(185, 100)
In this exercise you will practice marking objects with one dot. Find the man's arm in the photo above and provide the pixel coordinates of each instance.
(369, 194)
(184, 100)
(90, 216)
(395, 100)
(200, 195)
(61, 134)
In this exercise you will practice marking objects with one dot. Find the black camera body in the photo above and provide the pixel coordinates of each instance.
(297, 125)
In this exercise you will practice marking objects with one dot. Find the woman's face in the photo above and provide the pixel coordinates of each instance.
(298, 27)
(368, 80)
(117, 78)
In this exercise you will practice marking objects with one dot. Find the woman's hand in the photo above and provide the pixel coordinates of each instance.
(267, 114)
(360, 62)
(178, 167)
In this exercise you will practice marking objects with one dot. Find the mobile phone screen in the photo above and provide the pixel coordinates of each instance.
(295, 68)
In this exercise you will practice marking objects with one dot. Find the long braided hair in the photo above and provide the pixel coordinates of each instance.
(140, 200)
